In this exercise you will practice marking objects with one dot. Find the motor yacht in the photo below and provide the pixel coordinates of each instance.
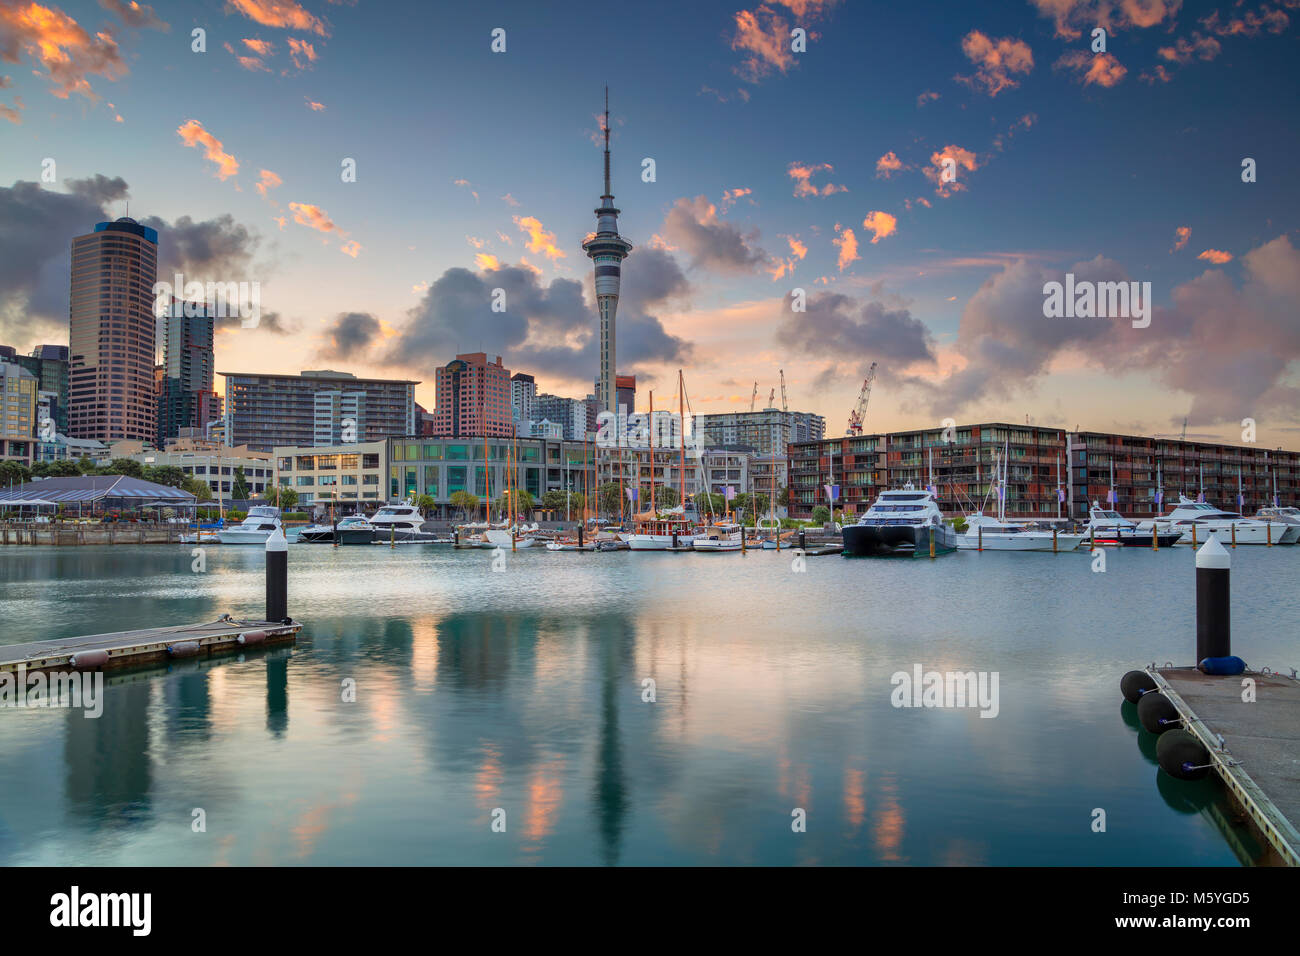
(900, 522)
(992, 534)
(723, 536)
(260, 524)
(1287, 516)
(1207, 519)
(1107, 527)
(354, 529)
(401, 522)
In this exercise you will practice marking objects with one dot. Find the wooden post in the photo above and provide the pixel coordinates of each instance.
(742, 537)
(514, 544)
(1193, 534)
(1234, 534)
(1268, 531)
(1155, 536)
(392, 535)
(932, 541)
(336, 530)
(1053, 539)
(979, 534)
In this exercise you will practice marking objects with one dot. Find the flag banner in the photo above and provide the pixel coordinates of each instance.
(1060, 495)
(934, 492)
(1110, 496)
(730, 492)
(1241, 502)
(1002, 492)
(632, 494)
(1275, 501)
(1160, 497)
(832, 492)
(1201, 496)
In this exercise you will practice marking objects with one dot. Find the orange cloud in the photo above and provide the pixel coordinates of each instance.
(305, 214)
(269, 180)
(351, 248)
(796, 247)
(58, 43)
(314, 106)
(765, 37)
(802, 176)
(301, 52)
(285, 14)
(929, 96)
(847, 243)
(887, 165)
(1183, 50)
(260, 47)
(1072, 16)
(539, 240)
(1216, 256)
(953, 157)
(1181, 235)
(1102, 69)
(995, 62)
(194, 135)
(1275, 21)
(730, 196)
(881, 225)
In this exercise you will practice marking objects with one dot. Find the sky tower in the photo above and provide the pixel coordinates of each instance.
(607, 249)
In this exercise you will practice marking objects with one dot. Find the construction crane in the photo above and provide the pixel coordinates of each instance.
(785, 407)
(753, 398)
(859, 412)
(771, 399)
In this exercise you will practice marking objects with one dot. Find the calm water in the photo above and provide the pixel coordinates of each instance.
(522, 690)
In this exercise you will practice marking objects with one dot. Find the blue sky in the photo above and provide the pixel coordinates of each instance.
(1078, 159)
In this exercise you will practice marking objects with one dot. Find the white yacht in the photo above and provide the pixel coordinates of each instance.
(723, 536)
(400, 523)
(524, 537)
(993, 534)
(659, 531)
(1112, 528)
(900, 522)
(354, 529)
(1288, 516)
(1207, 519)
(261, 521)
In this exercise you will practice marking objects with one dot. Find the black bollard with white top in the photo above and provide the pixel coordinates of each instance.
(277, 577)
(1213, 601)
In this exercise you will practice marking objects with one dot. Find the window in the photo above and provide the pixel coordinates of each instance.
(431, 480)
(457, 453)
(305, 480)
(369, 461)
(349, 461)
(306, 462)
(347, 479)
(433, 452)
(327, 462)
(284, 464)
(455, 479)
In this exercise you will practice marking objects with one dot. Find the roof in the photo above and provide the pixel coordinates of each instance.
(96, 488)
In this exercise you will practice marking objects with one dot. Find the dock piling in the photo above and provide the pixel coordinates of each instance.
(1213, 601)
(277, 577)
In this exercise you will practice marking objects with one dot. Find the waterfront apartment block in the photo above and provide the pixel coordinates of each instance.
(769, 432)
(472, 397)
(523, 390)
(322, 475)
(217, 467)
(574, 415)
(1044, 466)
(111, 392)
(49, 363)
(266, 411)
(18, 395)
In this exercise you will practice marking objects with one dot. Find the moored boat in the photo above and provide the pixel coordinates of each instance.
(260, 523)
(901, 522)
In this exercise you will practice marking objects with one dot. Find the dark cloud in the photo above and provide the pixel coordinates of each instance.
(37, 226)
(712, 243)
(546, 329)
(350, 335)
(137, 15)
(843, 329)
(272, 322)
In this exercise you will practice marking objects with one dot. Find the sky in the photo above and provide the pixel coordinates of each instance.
(913, 176)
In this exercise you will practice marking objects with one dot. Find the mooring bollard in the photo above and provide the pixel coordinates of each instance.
(1213, 601)
(674, 540)
(514, 543)
(455, 537)
(742, 537)
(1194, 534)
(579, 537)
(1234, 534)
(277, 576)
(979, 534)
(336, 531)
(1155, 540)
(1054, 539)
(803, 541)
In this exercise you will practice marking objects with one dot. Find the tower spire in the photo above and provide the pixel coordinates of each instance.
(608, 193)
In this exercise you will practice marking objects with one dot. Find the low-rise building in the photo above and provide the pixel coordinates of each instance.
(333, 474)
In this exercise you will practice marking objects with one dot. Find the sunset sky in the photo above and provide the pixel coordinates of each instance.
(775, 170)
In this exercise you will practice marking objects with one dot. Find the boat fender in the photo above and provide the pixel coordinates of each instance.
(1134, 684)
(1181, 755)
(252, 637)
(1156, 713)
(183, 649)
(89, 660)
(1222, 666)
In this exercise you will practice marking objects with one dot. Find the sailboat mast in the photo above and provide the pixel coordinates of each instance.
(681, 415)
(653, 506)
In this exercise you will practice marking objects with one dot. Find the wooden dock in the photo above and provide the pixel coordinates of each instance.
(1259, 757)
(127, 648)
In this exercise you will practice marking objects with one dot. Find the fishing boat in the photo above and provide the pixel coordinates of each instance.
(722, 536)
(261, 522)
(987, 533)
(901, 522)
(1287, 516)
(354, 529)
(661, 531)
(1207, 519)
(1107, 527)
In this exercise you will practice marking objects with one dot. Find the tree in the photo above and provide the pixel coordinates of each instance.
(169, 475)
(464, 501)
(12, 472)
(239, 489)
(609, 497)
(288, 498)
(706, 503)
(783, 497)
(124, 466)
(56, 469)
(742, 501)
(760, 503)
(821, 514)
(667, 496)
(554, 500)
(425, 504)
(197, 487)
(577, 503)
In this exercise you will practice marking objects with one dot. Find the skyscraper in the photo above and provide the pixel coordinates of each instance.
(187, 398)
(607, 250)
(473, 398)
(111, 318)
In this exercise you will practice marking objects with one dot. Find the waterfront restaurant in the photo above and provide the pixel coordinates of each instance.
(99, 494)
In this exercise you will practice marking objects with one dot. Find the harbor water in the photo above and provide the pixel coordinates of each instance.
(455, 707)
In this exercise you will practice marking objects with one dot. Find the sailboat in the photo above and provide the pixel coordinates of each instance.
(998, 534)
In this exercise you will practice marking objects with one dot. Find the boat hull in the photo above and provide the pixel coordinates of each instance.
(658, 542)
(897, 540)
(243, 537)
(713, 544)
(1024, 541)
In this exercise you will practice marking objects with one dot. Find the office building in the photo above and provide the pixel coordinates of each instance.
(473, 397)
(523, 391)
(186, 397)
(111, 333)
(18, 410)
(334, 474)
(769, 431)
